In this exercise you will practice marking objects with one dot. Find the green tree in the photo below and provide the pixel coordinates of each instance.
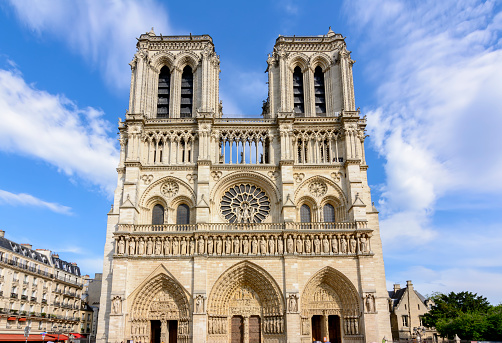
(466, 314)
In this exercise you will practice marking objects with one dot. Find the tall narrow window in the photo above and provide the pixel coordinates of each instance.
(183, 215)
(329, 213)
(305, 214)
(320, 98)
(163, 93)
(186, 93)
(298, 100)
(158, 215)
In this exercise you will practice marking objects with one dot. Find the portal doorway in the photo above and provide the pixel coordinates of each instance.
(172, 327)
(254, 329)
(317, 328)
(155, 330)
(237, 335)
(334, 329)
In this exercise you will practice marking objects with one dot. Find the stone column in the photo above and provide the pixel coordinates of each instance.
(164, 331)
(246, 329)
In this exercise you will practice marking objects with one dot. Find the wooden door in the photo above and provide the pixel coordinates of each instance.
(173, 331)
(237, 330)
(334, 329)
(254, 329)
(317, 328)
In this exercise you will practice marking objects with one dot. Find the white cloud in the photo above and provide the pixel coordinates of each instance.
(23, 199)
(438, 115)
(52, 128)
(102, 31)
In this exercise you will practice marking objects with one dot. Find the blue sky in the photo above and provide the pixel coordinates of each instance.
(428, 76)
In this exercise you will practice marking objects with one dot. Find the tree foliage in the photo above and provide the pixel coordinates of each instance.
(466, 314)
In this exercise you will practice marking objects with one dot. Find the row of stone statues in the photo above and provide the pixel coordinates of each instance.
(273, 324)
(244, 245)
(217, 325)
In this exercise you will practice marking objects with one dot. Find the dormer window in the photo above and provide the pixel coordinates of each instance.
(298, 98)
(320, 94)
(163, 93)
(186, 107)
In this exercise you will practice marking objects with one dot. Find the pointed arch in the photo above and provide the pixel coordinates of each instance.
(251, 276)
(333, 290)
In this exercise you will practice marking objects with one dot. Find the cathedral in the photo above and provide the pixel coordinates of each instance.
(242, 230)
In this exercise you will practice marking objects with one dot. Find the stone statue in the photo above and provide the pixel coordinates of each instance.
(245, 246)
(117, 305)
(132, 247)
(290, 245)
(167, 247)
(370, 303)
(271, 245)
(158, 247)
(183, 245)
(299, 244)
(263, 245)
(176, 246)
(210, 245)
(308, 245)
(201, 245)
(149, 247)
(353, 245)
(364, 245)
(325, 244)
(334, 244)
(141, 247)
(219, 244)
(199, 304)
(293, 305)
(280, 245)
(236, 245)
(317, 245)
(343, 245)
(192, 246)
(254, 246)
(228, 246)
(121, 246)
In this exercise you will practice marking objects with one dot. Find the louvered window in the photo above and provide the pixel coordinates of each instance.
(305, 214)
(183, 215)
(158, 215)
(329, 213)
(320, 96)
(298, 100)
(186, 93)
(163, 93)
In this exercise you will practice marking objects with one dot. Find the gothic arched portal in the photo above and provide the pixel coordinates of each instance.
(330, 307)
(160, 307)
(248, 295)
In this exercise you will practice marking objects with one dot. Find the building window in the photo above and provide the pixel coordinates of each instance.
(183, 215)
(329, 213)
(158, 215)
(298, 99)
(163, 93)
(320, 98)
(420, 319)
(186, 92)
(405, 321)
(305, 214)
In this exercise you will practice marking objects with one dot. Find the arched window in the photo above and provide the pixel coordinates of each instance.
(305, 214)
(320, 98)
(158, 215)
(163, 93)
(183, 215)
(329, 213)
(186, 92)
(298, 100)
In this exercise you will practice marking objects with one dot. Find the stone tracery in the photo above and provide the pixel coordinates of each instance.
(245, 203)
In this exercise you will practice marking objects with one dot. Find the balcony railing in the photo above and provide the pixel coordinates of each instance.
(24, 297)
(202, 227)
(13, 295)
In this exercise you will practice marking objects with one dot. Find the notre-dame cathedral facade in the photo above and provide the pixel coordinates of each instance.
(242, 230)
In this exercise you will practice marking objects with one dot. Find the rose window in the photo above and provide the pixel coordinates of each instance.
(245, 204)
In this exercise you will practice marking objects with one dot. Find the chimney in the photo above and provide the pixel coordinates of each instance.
(26, 245)
(55, 255)
(397, 287)
(409, 284)
(2, 233)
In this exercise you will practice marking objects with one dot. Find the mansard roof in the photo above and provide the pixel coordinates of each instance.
(24, 251)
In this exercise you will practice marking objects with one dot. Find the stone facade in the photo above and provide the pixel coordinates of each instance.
(407, 307)
(242, 230)
(37, 289)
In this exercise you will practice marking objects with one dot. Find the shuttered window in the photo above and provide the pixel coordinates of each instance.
(164, 90)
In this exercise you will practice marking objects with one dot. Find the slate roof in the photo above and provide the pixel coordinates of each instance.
(66, 266)
(29, 254)
(396, 296)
